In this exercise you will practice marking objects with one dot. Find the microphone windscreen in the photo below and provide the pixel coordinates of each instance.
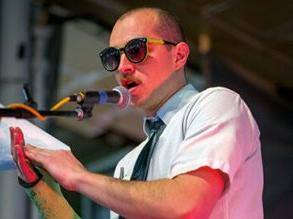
(125, 96)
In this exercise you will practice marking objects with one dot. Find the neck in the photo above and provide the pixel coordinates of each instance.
(151, 111)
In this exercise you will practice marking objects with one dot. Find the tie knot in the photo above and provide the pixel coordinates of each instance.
(154, 124)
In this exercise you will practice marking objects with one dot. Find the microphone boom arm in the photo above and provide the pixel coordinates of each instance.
(24, 114)
(86, 100)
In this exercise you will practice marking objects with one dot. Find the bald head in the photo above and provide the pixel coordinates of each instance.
(164, 24)
(161, 73)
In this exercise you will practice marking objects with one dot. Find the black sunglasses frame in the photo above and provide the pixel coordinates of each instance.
(116, 52)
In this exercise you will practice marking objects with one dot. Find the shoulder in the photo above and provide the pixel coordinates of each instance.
(214, 106)
(217, 100)
(216, 95)
(214, 100)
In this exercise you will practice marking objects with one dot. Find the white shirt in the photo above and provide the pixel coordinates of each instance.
(212, 128)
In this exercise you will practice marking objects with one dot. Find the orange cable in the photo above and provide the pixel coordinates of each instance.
(28, 108)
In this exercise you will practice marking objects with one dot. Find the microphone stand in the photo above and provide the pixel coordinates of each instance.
(78, 113)
(82, 112)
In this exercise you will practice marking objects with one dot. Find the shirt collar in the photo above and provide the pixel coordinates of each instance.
(173, 104)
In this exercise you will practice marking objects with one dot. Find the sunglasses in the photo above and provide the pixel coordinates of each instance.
(135, 50)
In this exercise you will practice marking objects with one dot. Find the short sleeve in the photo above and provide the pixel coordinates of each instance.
(220, 132)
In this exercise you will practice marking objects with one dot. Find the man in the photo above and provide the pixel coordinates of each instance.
(206, 163)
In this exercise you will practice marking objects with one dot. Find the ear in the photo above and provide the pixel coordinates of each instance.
(181, 55)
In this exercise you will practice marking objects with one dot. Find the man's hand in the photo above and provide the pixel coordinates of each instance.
(25, 169)
(61, 165)
(46, 196)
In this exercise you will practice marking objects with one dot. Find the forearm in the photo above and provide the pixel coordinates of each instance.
(189, 195)
(164, 198)
(48, 198)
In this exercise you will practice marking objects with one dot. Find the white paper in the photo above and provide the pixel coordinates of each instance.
(32, 135)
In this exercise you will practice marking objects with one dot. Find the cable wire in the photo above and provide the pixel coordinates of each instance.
(60, 104)
(27, 108)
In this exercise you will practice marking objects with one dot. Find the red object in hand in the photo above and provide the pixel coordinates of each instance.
(26, 170)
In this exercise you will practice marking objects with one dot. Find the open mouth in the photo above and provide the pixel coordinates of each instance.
(129, 84)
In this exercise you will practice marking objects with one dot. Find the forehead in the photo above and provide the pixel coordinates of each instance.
(137, 25)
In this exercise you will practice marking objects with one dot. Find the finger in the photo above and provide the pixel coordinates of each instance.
(15, 158)
(29, 147)
(25, 166)
(12, 150)
(37, 157)
(19, 137)
(36, 150)
(11, 129)
(16, 136)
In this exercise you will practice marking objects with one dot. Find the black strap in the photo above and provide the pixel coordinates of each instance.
(31, 184)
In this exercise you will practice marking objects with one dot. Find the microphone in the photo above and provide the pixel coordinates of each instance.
(119, 96)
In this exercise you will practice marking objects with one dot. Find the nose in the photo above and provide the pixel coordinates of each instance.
(125, 66)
